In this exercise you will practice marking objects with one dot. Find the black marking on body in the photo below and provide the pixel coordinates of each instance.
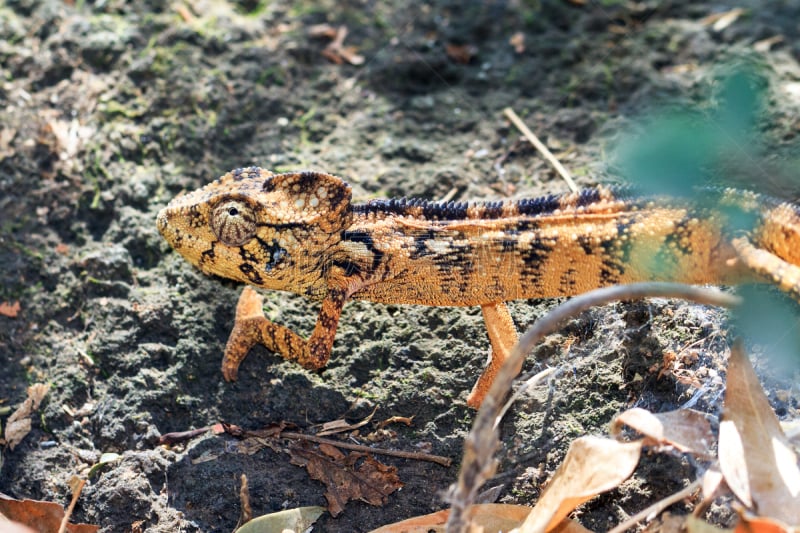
(508, 245)
(421, 248)
(585, 242)
(197, 218)
(365, 238)
(680, 239)
(251, 273)
(534, 257)
(458, 210)
(246, 255)
(616, 253)
(208, 255)
(273, 251)
(569, 279)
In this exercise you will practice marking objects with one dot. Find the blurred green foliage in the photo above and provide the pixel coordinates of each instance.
(691, 153)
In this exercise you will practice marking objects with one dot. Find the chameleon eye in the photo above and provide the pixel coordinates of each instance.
(233, 222)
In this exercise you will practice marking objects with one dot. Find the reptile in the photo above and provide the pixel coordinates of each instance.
(300, 232)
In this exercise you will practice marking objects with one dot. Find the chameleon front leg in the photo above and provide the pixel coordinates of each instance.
(503, 337)
(251, 327)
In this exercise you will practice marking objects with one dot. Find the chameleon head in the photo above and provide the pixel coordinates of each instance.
(254, 226)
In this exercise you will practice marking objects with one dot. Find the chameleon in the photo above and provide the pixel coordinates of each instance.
(301, 232)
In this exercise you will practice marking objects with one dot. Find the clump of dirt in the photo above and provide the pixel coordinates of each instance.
(110, 109)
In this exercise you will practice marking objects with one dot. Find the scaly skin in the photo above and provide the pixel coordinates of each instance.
(299, 232)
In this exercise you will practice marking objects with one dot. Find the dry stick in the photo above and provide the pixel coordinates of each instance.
(444, 461)
(478, 463)
(68, 513)
(534, 140)
(658, 506)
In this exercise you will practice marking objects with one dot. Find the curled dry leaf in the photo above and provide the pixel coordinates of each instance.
(341, 425)
(19, 423)
(492, 517)
(685, 429)
(756, 458)
(593, 465)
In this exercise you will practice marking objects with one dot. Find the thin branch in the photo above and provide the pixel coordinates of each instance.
(539, 145)
(76, 492)
(478, 463)
(444, 461)
(657, 507)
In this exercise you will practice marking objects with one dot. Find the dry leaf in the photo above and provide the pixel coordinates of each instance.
(461, 53)
(720, 21)
(336, 52)
(10, 310)
(592, 465)
(19, 423)
(340, 425)
(755, 456)
(685, 429)
(518, 42)
(299, 519)
(370, 482)
(492, 517)
(407, 420)
(39, 515)
(749, 524)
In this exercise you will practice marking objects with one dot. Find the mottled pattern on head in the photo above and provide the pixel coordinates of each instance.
(255, 226)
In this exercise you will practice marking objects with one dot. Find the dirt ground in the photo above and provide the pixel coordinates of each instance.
(111, 108)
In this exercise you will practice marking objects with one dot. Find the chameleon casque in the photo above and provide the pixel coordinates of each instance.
(299, 232)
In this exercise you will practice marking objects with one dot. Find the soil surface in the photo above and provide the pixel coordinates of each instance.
(111, 108)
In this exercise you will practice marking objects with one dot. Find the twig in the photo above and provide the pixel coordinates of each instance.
(659, 506)
(521, 389)
(244, 499)
(534, 140)
(478, 463)
(76, 492)
(444, 461)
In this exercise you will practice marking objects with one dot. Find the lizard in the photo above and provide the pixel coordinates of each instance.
(300, 232)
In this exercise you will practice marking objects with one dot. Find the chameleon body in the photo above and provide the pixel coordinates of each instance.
(299, 232)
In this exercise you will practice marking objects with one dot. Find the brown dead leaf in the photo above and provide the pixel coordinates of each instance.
(518, 42)
(336, 52)
(341, 425)
(10, 310)
(755, 456)
(39, 515)
(592, 465)
(750, 524)
(720, 21)
(407, 420)
(492, 517)
(461, 53)
(370, 481)
(685, 429)
(19, 423)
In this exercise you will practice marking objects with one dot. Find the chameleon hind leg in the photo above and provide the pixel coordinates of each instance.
(251, 327)
(769, 266)
(503, 337)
